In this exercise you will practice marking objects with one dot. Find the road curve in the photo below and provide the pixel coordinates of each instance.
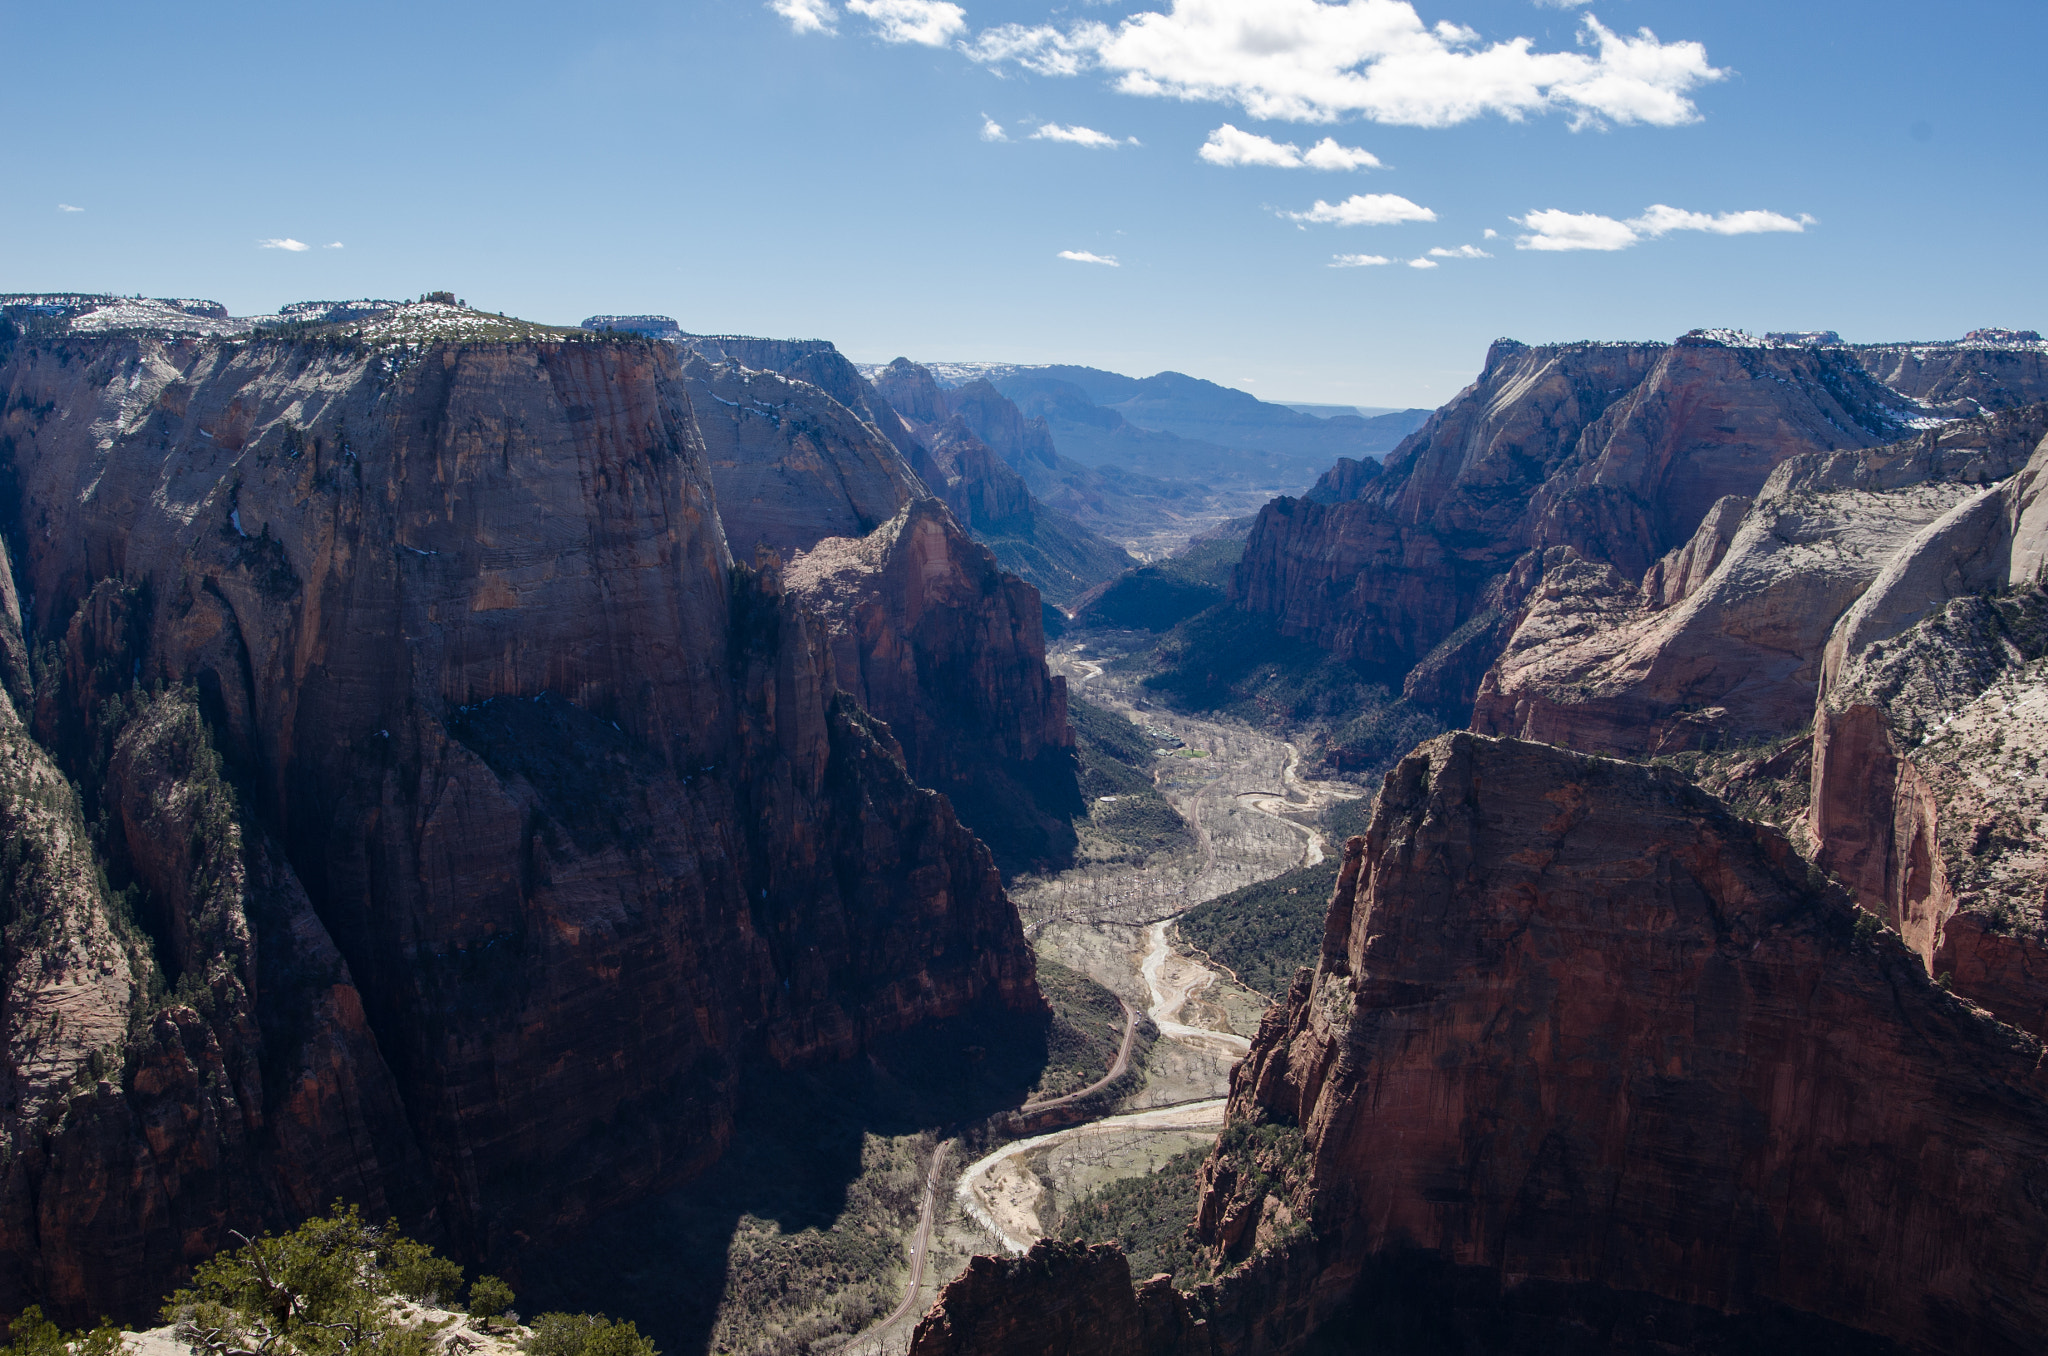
(1117, 1067)
(1187, 1116)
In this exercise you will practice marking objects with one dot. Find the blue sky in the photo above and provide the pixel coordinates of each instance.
(709, 160)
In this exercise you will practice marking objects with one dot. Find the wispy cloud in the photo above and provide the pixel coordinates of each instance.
(1228, 145)
(1461, 252)
(928, 23)
(1422, 263)
(991, 130)
(1557, 230)
(1365, 209)
(285, 244)
(1079, 136)
(807, 16)
(1310, 61)
(1358, 260)
(1086, 257)
(332, 245)
(67, 207)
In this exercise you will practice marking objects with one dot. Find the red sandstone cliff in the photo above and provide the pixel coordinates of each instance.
(1721, 642)
(927, 632)
(550, 819)
(1616, 451)
(1575, 1024)
(1587, 1063)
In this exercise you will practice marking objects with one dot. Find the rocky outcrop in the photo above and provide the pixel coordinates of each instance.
(1721, 643)
(566, 801)
(1616, 451)
(1576, 1026)
(791, 465)
(927, 632)
(987, 493)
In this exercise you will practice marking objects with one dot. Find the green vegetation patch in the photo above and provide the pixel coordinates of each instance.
(1149, 1215)
(1264, 932)
(1127, 817)
(1087, 1030)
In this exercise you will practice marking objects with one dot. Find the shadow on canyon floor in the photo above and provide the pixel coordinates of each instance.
(799, 1153)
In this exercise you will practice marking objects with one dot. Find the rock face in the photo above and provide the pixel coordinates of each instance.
(550, 819)
(986, 492)
(790, 464)
(1721, 641)
(927, 632)
(1618, 452)
(1576, 1025)
(1927, 741)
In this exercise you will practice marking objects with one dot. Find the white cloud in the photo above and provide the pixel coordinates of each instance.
(1365, 209)
(1660, 219)
(929, 23)
(1227, 145)
(991, 130)
(1422, 263)
(1489, 234)
(1358, 260)
(1328, 155)
(1084, 257)
(1461, 252)
(332, 245)
(67, 207)
(1042, 50)
(1561, 4)
(806, 16)
(1557, 230)
(285, 244)
(1078, 136)
(1312, 61)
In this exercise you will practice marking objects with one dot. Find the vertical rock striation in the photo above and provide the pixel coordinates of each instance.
(1576, 1026)
(551, 820)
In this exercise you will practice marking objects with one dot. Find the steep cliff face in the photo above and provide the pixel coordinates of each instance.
(569, 803)
(987, 493)
(1577, 1026)
(1961, 378)
(927, 632)
(1722, 641)
(1616, 451)
(1927, 738)
(790, 464)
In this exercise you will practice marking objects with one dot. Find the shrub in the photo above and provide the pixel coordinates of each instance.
(585, 1335)
(489, 1298)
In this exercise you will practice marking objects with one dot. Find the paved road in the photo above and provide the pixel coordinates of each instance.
(920, 1246)
(1116, 1069)
(976, 1196)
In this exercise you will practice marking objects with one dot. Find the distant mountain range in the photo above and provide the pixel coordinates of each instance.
(1208, 426)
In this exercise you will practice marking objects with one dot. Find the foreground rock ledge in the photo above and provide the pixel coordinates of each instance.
(1580, 1034)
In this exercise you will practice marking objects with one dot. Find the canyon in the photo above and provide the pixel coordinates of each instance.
(487, 770)
(397, 746)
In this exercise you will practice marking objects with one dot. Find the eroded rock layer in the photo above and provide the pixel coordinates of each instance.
(1574, 1023)
(1618, 452)
(525, 819)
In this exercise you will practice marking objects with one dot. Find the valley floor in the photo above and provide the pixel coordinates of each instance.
(1252, 816)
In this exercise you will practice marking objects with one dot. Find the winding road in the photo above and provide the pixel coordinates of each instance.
(977, 1191)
